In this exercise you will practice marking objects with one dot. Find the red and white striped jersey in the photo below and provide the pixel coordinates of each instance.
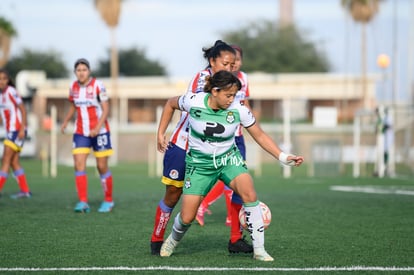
(242, 95)
(10, 113)
(179, 136)
(88, 107)
(244, 91)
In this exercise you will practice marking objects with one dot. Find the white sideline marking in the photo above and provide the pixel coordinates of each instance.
(172, 268)
(372, 189)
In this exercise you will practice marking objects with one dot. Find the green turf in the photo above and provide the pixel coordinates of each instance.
(311, 225)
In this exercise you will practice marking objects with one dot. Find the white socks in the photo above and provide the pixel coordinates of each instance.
(254, 223)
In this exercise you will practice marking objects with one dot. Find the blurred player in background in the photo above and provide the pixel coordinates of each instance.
(89, 100)
(221, 56)
(14, 118)
(233, 201)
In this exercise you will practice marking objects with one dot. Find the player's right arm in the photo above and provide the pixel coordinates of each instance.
(166, 116)
(68, 117)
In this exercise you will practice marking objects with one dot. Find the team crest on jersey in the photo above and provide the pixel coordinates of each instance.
(174, 174)
(230, 117)
(89, 92)
(187, 183)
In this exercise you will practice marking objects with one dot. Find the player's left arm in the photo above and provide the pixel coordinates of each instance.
(22, 130)
(270, 146)
(104, 101)
(102, 119)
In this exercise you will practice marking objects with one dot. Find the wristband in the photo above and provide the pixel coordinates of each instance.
(283, 157)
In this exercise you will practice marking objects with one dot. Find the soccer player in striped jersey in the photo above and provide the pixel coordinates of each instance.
(221, 56)
(89, 100)
(212, 155)
(13, 114)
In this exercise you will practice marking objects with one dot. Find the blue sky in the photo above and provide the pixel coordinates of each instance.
(174, 31)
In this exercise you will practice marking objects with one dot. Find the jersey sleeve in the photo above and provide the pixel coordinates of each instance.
(247, 118)
(247, 87)
(198, 82)
(101, 91)
(15, 96)
(71, 93)
(184, 101)
(192, 86)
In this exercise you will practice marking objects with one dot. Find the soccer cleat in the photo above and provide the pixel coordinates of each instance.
(240, 246)
(168, 247)
(156, 247)
(262, 255)
(82, 207)
(106, 207)
(21, 195)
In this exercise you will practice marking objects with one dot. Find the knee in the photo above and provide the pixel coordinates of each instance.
(249, 197)
(102, 168)
(185, 219)
(15, 165)
(172, 196)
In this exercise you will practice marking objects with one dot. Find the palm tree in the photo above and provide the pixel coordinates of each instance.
(110, 11)
(7, 31)
(362, 11)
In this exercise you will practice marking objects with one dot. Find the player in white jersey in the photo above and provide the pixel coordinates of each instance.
(13, 115)
(221, 56)
(233, 201)
(212, 155)
(89, 100)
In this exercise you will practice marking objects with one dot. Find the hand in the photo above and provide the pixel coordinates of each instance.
(162, 144)
(295, 160)
(290, 160)
(94, 132)
(21, 134)
(63, 128)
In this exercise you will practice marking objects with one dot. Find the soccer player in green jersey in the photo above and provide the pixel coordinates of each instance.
(212, 155)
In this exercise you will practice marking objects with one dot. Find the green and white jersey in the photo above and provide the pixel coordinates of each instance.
(212, 131)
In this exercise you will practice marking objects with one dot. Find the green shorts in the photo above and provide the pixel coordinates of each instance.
(202, 171)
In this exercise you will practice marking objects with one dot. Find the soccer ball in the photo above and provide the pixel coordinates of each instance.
(266, 215)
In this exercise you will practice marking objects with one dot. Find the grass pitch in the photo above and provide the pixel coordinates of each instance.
(312, 226)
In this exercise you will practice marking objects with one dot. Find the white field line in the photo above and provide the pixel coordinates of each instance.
(172, 268)
(372, 190)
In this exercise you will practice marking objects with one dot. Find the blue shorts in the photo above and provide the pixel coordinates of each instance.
(13, 141)
(101, 145)
(241, 145)
(174, 166)
(242, 148)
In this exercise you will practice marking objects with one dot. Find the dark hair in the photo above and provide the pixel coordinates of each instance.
(216, 50)
(238, 48)
(82, 61)
(10, 80)
(221, 80)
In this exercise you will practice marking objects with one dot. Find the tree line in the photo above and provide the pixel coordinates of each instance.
(267, 48)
